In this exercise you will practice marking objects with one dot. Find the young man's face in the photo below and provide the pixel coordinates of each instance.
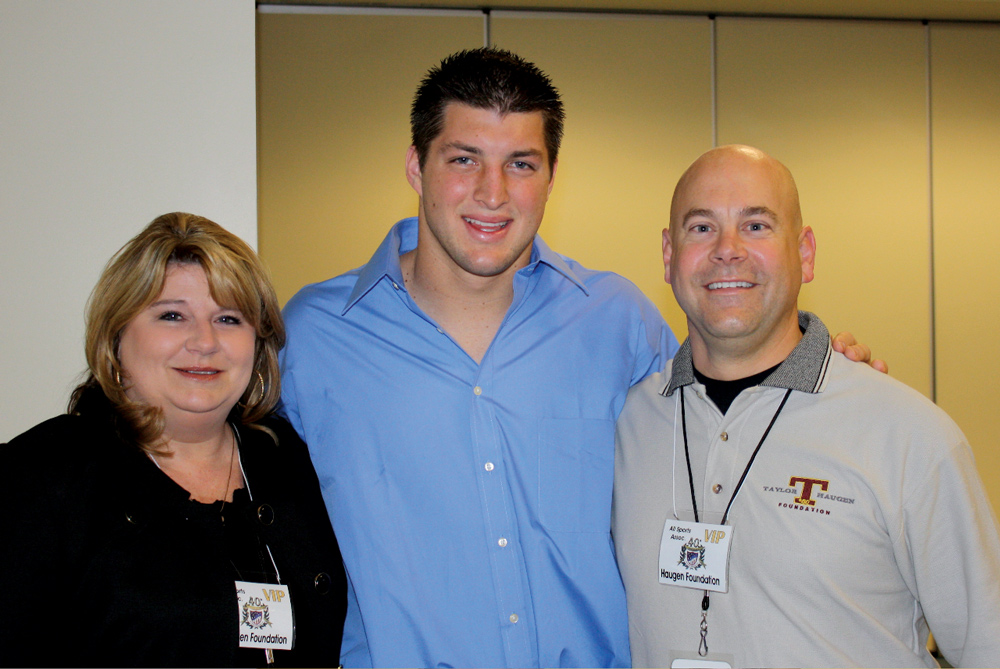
(736, 254)
(483, 188)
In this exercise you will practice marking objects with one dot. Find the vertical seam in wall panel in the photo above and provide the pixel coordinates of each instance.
(714, 83)
(930, 213)
(487, 28)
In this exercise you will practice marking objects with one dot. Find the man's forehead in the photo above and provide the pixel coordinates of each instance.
(735, 174)
(745, 193)
(473, 128)
(733, 185)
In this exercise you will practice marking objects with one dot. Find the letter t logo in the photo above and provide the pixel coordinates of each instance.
(807, 489)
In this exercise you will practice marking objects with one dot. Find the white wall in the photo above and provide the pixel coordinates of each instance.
(111, 113)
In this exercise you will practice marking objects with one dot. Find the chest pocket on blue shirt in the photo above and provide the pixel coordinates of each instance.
(576, 461)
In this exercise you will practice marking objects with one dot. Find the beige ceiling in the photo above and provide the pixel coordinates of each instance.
(959, 10)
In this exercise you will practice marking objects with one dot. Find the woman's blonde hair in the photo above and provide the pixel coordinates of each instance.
(134, 278)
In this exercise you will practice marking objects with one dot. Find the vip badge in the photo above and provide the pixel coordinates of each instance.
(694, 555)
(265, 614)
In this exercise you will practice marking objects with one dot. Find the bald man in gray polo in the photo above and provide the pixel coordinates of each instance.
(774, 503)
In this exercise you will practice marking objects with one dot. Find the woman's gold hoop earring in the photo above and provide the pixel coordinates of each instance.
(260, 378)
(118, 378)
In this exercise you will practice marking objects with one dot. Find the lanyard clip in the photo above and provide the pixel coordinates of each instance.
(703, 644)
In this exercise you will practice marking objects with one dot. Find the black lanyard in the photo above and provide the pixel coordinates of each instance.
(687, 456)
(703, 644)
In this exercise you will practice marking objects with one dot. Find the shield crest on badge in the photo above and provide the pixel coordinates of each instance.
(692, 554)
(255, 616)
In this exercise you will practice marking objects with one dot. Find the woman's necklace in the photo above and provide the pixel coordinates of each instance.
(229, 472)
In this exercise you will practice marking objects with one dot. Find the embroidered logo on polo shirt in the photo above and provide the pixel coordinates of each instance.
(808, 494)
(807, 489)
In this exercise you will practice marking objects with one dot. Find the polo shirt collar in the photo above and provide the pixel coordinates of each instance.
(805, 368)
(402, 238)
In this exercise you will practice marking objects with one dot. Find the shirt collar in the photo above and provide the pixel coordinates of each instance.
(402, 238)
(804, 369)
(541, 253)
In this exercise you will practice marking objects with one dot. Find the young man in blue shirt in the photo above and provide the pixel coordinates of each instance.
(459, 392)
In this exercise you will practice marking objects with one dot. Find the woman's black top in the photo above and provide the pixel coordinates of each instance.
(105, 561)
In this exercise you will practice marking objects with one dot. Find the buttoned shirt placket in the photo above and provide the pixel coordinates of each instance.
(510, 582)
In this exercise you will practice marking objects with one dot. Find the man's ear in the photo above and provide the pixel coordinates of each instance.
(413, 172)
(667, 252)
(807, 253)
(552, 178)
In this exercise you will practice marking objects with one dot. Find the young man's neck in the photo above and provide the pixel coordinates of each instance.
(434, 278)
(469, 308)
(728, 359)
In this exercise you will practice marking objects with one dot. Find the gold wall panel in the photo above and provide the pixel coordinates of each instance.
(334, 95)
(638, 110)
(843, 104)
(965, 101)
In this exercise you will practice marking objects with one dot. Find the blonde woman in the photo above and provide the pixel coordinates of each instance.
(169, 519)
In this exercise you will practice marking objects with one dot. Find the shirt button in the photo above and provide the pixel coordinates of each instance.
(489, 466)
(477, 390)
(395, 285)
(717, 488)
(440, 330)
(502, 542)
(700, 396)
(724, 436)
(513, 617)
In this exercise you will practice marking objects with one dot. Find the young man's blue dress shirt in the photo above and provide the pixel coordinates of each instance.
(471, 501)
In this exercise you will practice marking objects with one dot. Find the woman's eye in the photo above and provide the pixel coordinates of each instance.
(170, 316)
(231, 320)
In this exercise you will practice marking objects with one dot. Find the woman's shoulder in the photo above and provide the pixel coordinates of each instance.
(272, 445)
(274, 430)
(88, 427)
(61, 433)
(61, 456)
(273, 439)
